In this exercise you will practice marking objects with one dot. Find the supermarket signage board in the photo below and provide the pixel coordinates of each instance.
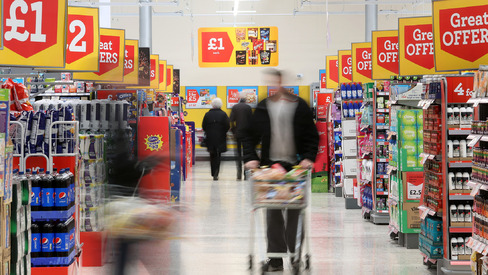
(162, 75)
(200, 97)
(176, 81)
(83, 40)
(291, 89)
(169, 78)
(112, 48)
(233, 95)
(323, 100)
(238, 47)
(131, 62)
(332, 71)
(345, 66)
(154, 72)
(323, 79)
(384, 54)
(459, 88)
(460, 34)
(416, 46)
(34, 33)
(361, 62)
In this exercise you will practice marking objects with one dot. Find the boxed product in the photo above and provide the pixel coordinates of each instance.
(408, 133)
(350, 147)
(349, 128)
(407, 117)
(350, 167)
(409, 148)
(410, 217)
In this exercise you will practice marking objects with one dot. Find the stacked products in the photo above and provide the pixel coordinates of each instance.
(410, 140)
(52, 192)
(430, 239)
(352, 94)
(20, 226)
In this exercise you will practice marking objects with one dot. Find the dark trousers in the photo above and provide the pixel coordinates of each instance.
(281, 237)
(239, 158)
(215, 163)
(123, 257)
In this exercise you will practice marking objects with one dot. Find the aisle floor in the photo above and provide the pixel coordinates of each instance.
(213, 235)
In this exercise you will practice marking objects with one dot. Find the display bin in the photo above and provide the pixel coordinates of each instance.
(93, 248)
(409, 217)
(72, 269)
(320, 182)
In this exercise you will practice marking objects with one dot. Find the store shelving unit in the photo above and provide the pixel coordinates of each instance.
(337, 145)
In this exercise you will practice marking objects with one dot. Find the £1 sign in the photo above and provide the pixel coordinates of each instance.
(34, 32)
(459, 88)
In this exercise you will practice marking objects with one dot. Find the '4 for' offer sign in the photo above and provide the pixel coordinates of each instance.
(34, 33)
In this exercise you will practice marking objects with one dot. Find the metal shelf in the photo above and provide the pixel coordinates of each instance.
(460, 229)
(460, 197)
(460, 164)
(383, 110)
(459, 131)
(64, 94)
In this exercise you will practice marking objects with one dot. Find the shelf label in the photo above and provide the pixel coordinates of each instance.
(424, 213)
(475, 190)
(415, 183)
(475, 140)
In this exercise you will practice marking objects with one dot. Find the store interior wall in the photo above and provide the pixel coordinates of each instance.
(303, 42)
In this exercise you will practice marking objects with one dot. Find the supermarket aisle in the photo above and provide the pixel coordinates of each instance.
(213, 235)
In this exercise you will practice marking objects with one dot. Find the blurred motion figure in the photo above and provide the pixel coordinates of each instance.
(239, 118)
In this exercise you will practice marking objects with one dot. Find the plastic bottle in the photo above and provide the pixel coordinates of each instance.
(459, 180)
(454, 213)
(23, 181)
(450, 115)
(72, 190)
(456, 115)
(348, 91)
(469, 113)
(462, 149)
(345, 110)
(47, 243)
(343, 91)
(359, 88)
(35, 241)
(460, 242)
(450, 149)
(354, 91)
(455, 149)
(454, 247)
(469, 151)
(452, 181)
(465, 180)
(350, 107)
(36, 199)
(356, 108)
(467, 213)
(47, 192)
(460, 213)
(463, 116)
(61, 187)
(62, 239)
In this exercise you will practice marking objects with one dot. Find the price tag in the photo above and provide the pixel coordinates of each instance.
(431, 157)
(426, 105)
(485, 251)
(424, 214)
(475, 190)
(470, 242)
(414, 191)
(474, 140)
(476, 102)
(424, 159)
(390, 168)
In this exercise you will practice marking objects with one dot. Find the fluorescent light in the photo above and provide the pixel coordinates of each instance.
(238, 23)
(236, 7)
(235, 12)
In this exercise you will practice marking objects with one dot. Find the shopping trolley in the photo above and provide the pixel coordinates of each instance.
(283, 194)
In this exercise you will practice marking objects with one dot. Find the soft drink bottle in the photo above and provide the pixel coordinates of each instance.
(47, 191)
(35, 241)
(61, 191)
(24, 185)
(72, 191)
(62, 239)
(47, 243)
(36, 192)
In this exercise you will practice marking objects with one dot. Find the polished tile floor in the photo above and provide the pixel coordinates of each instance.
(213, 235)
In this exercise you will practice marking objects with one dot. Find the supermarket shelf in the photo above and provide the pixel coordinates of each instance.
(381, 193)
(460, 164)
(461, 197)
(380, 176)
(460, 229)
(382, 110)
(476, 245)
(64, 94)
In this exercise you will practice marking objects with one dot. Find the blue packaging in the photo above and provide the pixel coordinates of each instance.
(61, 191)
(47, 192)
(345, 110)
(343, 91)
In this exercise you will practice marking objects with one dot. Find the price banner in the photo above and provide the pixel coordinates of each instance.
(416, 46)
(414, 184)
(323, 79)
(459, 88)
(34, 33)
(111, 68)
(83, 39)
(162, 75)
(250, 93)
(169, 78)
(131, 62)
(332, 72)
(291, 89)
(154, 71)
(361, 62)
(384, 54)
(345, 66)
(200, 97)
(323, 100)
(238, 47)
(460, 34)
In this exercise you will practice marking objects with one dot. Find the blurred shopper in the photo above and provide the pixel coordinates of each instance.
(283, 124)
(239, 118)
(216, 125)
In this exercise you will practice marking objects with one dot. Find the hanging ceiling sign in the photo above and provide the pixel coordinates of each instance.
(169, 78)
(34, 33)
(131, 62)
(238, 47)
(384, 54)
(345, 66)
(460, 34)
(112, 48)
(162, 75)
(332, 71)
(361, 62)
(154, 73)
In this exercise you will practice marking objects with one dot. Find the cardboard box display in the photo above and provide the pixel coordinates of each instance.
(410, 217)
(348, 186)
(407, 117)
(348, 128)
(350, 167)
(349, 147)
(408, 133)
(412, 185)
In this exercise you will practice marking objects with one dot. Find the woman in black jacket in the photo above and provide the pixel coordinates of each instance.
(216, 125)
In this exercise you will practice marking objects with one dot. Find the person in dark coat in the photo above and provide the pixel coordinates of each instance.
(283, 124)
(239, 119)
(216, 125)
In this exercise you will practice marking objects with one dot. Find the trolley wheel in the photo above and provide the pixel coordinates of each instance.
(393, 235)
(307, 262)
(366, 216)
(250, 262)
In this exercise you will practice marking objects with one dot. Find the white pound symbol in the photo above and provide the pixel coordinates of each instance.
(15, 23)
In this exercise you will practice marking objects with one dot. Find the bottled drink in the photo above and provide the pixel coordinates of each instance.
(47, 244)
(61, 186)
(24, 188)
(36, 192)
(47, 191)
(72, 191)
(62, 242)
(35, 241)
